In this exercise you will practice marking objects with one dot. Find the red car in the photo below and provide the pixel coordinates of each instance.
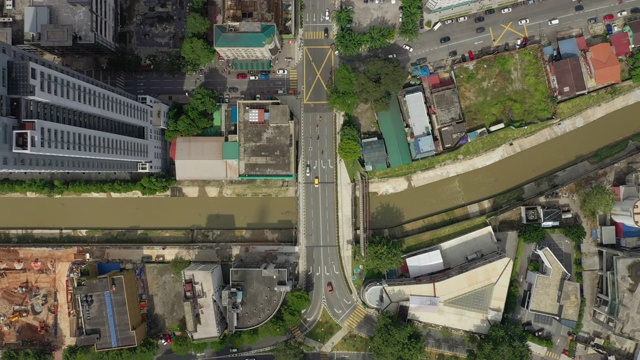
(330, 288)
(471, 57)
(241, 76)
(607, 17)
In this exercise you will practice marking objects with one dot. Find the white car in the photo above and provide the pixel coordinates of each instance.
(448, 21)
(523, 21)
(622, 13)
(393, 1)
(253, 77)
(282, 71)
(554, 21)
(463, 18)
(505, 10)
(391, 56)
(308, 169)
(407, 47)
(326, 13)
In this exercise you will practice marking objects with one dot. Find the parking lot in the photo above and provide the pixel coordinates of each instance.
(382, 14)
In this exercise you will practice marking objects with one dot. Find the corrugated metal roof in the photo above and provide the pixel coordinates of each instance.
(236, 39)
(395, 138)
(231, 150)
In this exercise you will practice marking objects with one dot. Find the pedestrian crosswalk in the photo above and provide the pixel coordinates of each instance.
(324, 355)
(296, 333)
(120, 81)
(293, 79)
(551, 355)
(316, 35)
(355, 318)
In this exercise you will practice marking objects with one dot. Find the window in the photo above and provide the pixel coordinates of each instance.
(48, 83)
(5, 134)
(5, 161)
(4, 77)
(34, 74)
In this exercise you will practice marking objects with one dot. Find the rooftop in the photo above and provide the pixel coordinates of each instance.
(249, 35)
(205, 282)
(262, 293)
(392, 128)
(447, 107)
(569, 77)
(417, 116)
(605, 64)
(635, 29)
(374, 153)
(621, 43)
(452, 134)
(625, 298)
(105, 311)
(455, 252)
(265, 133)
(202, 158)
(568, 48)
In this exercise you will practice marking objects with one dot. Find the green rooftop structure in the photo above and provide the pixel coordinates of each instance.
(246, 41)
(392, 127)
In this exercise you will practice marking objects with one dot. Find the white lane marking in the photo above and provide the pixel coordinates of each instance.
(318, 273)
(478, 42)
(338, 311)
(334, 269)
(330, 166)
(326, 272)
(347, 301)
(315, 164)
(310, 270)
(322, 163)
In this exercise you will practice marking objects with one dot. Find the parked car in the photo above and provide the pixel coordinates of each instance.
(407, 47)
(326, 33)
(592, 20)
(505, 10)
(635, 10)
(479, 19)
(463, 58)
(233, 89)
(264, 76)
(445, 39)
(241, 76)
(523, 21)
(253, 77)
(448, 21)
(489, 11)
(453, 53)
(609, 29)
(525, 41)
(421, 24)
(554, 21)
(326, 13)
(518, 43)
(579, 8)
(607, 17)
(282, 71)
(471, 56)
(330, 287)
(506, 46)
(462, 18)
(479, 30)
(421, 60)
(308, 169)
(615, 28)
(622, 13)
(257, 96)
(391, 56)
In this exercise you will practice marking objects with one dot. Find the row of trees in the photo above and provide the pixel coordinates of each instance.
(374, 83)
(349, 148)
(146, 351)
(149, 185)
(195, 49)
(411, 14)
(192, 118)
(349, 42)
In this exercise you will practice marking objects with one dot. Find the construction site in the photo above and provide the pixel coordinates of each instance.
(31, 281)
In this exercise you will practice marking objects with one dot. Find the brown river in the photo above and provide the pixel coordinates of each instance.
(501, 176)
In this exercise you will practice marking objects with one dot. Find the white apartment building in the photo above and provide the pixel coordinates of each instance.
(53, 119)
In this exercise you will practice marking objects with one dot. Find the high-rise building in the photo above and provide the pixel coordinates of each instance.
(53, 119)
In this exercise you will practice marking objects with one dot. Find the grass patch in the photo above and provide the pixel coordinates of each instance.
(325, 328)
(608, 151)
(434, 237)
(353, 168)
(358, 263)
(471, 149)
(505, 88)
(353, 342)
(577, 105)
(546, 342)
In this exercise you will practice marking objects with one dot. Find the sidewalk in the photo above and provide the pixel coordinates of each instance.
(394, 185)
(466, 10)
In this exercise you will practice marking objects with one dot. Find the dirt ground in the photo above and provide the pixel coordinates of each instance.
(18, 289)
(164, 299)
(365, 119)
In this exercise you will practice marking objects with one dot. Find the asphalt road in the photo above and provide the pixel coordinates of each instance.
(318, 153)
(464, 37)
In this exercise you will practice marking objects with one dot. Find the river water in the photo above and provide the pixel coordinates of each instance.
(523, 167)
(148, 213)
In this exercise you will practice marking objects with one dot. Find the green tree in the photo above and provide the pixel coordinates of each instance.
(342, 94)
(532, 233)
(198, 4)
(504, 341)
(197, 24)
(380, 79)
(343, 17)
(196, 52)
(349, 148)
(146, 351)
(177, 265)
(170, 62)
(291, 311)
(396, 340)
(595, 200)
(288, 351)
(634, 63)
(408, 30)
(383, 254)
(124, 59)
(575, 233)
(191, 119)
(181, 345)
(349, 42)
(26, 354)
(379, 36)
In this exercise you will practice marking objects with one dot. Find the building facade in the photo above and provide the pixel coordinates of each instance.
(53, 119)
(441, 5)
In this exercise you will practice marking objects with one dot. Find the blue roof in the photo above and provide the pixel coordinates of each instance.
(547, 50)
(424, 146)
(234, 115)
(568, 48)
(105, 268)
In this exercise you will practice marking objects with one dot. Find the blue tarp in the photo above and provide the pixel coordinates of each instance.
(420, 71)
(630, 232)
(105, 268)
(234, 115)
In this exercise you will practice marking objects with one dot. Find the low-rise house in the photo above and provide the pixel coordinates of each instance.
(605, 64)
(374, 154)
(569, 77)
(621, 44)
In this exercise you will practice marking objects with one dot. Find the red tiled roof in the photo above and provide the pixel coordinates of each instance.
(621, 43)
(433, 79)
(568, 74)
(582, 43)
(605, 64)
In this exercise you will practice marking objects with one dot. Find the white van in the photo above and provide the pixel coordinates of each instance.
(554, 21)
(8, 4)
(436, 26)
(6, 20)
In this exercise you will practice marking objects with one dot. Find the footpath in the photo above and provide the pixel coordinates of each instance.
(395, 185)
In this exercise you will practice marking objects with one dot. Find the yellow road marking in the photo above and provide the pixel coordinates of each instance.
(508, 27)
(317, 71)
(492, 38)
(502, 34)
(526, 32)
